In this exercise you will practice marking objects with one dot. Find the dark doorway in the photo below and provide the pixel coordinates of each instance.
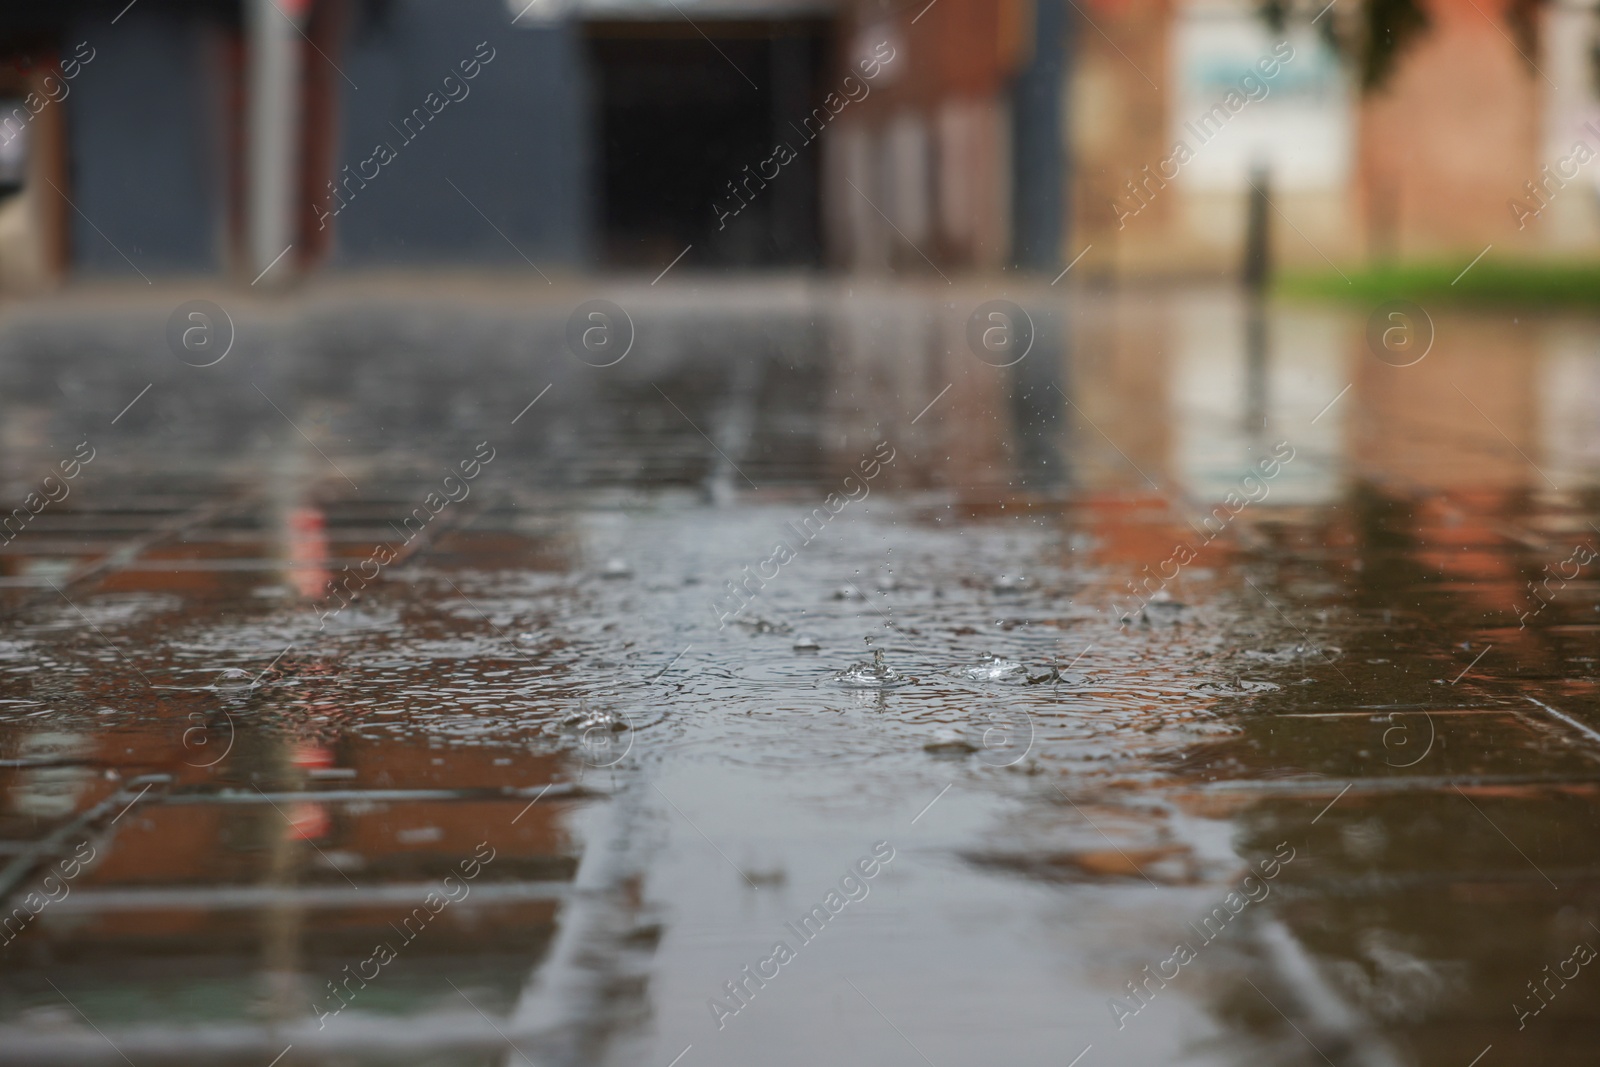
(678, 122)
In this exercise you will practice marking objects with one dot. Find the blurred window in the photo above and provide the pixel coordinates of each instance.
(15, 136)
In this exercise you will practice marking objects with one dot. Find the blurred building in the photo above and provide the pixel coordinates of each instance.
(218, 136)
(1178, 107)
(271, 138)
(280, 136)
(1460, 131)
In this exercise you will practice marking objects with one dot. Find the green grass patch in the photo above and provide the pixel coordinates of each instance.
(1488, 282)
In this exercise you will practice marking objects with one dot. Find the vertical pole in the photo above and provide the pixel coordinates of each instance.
(274, 121)
(1257, 275)
(1258, 232)
(1038, 218)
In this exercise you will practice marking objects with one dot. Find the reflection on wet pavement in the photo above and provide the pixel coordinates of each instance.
(799, 689)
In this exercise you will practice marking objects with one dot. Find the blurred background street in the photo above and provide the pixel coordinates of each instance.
(690, 533)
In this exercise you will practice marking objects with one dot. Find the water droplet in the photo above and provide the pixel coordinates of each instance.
(992, 668)
(234, 678)
(875, 675)
(1011, 583)
(759, 625)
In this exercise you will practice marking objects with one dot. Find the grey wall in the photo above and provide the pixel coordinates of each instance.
(516, 145)
(142, 152)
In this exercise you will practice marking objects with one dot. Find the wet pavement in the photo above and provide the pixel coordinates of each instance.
(798, 687)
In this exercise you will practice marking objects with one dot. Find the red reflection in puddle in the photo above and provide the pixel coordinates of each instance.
(308, 820)
(308, 552)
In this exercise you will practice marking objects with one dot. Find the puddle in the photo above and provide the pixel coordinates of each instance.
(660, 742)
